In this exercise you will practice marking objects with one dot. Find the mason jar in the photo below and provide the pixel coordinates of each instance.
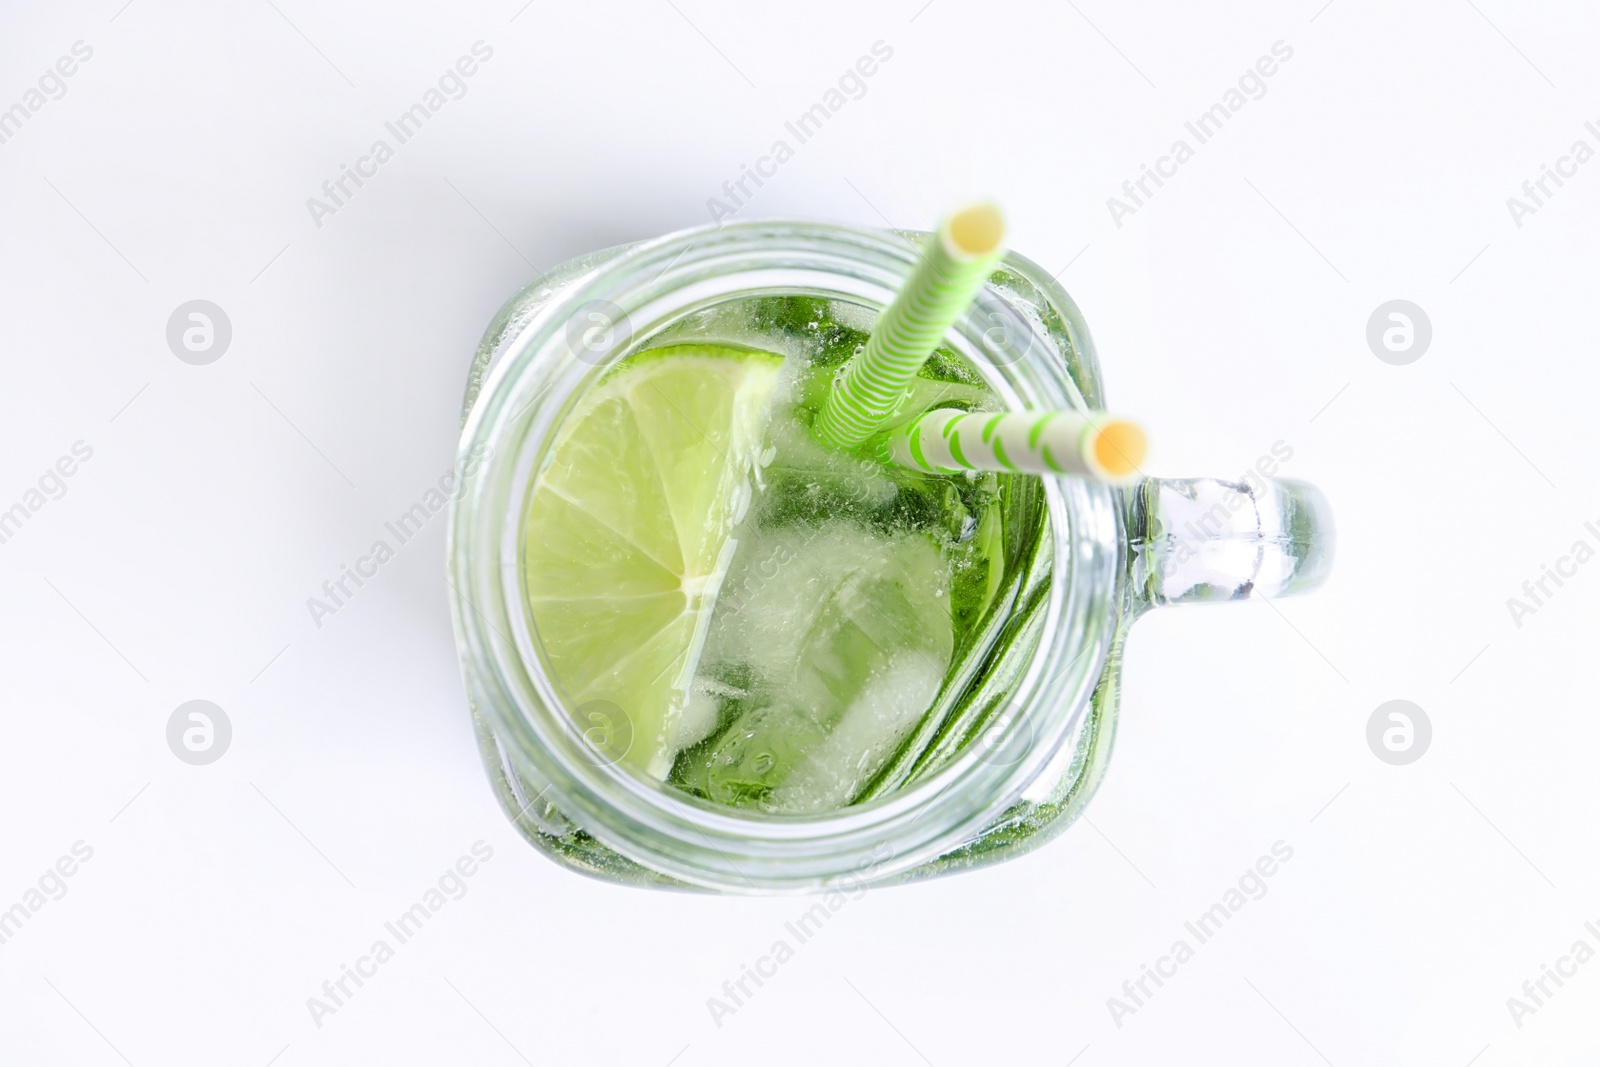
(1109, 554)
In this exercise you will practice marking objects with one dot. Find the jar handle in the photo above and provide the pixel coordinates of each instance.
(1207, 539)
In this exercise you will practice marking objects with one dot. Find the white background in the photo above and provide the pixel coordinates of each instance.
(1230, 313)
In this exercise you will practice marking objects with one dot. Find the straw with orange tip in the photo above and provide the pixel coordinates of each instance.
(1104, 447)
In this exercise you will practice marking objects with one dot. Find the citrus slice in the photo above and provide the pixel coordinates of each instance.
(628, 537)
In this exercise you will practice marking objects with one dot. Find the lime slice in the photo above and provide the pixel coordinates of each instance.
(627, 537)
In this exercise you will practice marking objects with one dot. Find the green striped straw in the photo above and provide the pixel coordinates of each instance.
(954, 264)
(1106, 448)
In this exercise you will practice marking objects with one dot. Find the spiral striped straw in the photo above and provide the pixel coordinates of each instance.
(1049, 442)
(954, 264)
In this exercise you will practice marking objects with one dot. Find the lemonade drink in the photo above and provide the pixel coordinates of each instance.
(748, 615)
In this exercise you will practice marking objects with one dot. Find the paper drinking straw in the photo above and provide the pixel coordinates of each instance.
(955, 262)
(1034, 442)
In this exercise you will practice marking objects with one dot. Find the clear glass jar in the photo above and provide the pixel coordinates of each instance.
(1111, 553)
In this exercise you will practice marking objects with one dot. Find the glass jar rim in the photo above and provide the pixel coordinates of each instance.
(531, 389)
